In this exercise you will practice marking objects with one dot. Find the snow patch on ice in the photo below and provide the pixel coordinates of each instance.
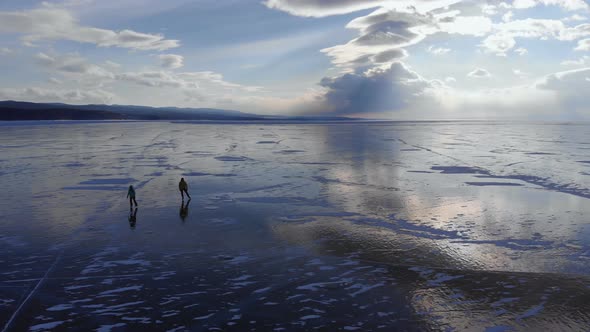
(262, 290)
(208, 174)
(45, 326)
(71, 288)
(108, 328)
(242, 278)
(406, 227)
(459, 170)
(204, 317)
(442, 278)
(122, 289)
(482, 184)
(109, 181)
(532, 311)
(515, 244)
(232, 158)
(60, 307)
(289, 151)
(12, 241)
(364, 288)
(274, 200)
(499, 328)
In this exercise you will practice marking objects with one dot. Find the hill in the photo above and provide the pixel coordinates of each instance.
(19, 110)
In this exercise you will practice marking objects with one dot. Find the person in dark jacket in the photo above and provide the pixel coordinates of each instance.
(183, 187)
(131, 196)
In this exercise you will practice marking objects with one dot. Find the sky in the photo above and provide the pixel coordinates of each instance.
(385, 59)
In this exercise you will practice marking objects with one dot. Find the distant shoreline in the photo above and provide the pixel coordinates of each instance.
(8, 123)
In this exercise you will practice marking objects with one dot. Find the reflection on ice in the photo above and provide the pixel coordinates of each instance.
(407, 226)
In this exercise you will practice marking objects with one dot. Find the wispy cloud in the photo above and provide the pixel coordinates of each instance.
(583, 45)
(58, 24)
(438, 50)
(74, 96)
(479, 73)
(171, 61)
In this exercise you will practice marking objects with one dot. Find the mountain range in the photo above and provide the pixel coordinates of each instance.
(18, 110)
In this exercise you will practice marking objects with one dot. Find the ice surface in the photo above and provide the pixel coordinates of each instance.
(351, 226)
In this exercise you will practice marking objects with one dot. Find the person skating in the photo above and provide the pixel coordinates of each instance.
(183, 187)
(131, 196)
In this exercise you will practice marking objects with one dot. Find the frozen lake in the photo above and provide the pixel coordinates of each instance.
(351, 226)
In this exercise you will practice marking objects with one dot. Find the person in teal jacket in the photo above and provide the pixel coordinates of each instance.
(131, 196)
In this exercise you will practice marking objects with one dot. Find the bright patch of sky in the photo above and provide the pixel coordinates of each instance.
(392, 59)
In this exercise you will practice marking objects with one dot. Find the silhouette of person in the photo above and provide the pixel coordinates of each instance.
(184, 209)
(131, 196)
(183, 187)
(132, 218)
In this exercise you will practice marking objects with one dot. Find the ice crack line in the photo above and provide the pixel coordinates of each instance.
(534, 180)
(429, 150)
(32, 293)
(47, 273)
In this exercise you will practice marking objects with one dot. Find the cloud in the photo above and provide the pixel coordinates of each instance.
(497, 103)
(6, 51)
(153, 79)
(376, 90)
(54, 80)
(584, 60)
(383, 33)
(204, 81)
(565, 4)
(466, 25)
(367, 86)
(380, 31)
(320, 8)
(112, 65)
(171, 61)
(503, 38)
(519, 73)
(498, 44)
(394, 25)
(388, 29)
(381, 58)
(209, 78)
(571, 81)
(543, 29)
(73, 96)
(66, 3)
(488, 9)
(575, 17)
(479, 73)
(570, 88)
(521, 51)
(583, 45)
(73, 64)
(77, 68)
(58, 24)
(438, 50)
(400, 93)
(72, 71)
